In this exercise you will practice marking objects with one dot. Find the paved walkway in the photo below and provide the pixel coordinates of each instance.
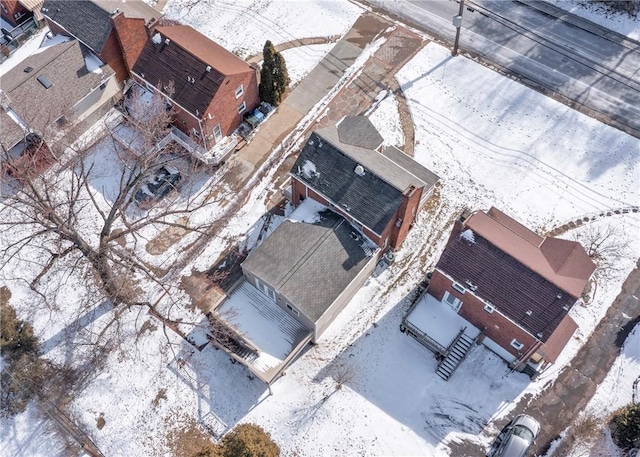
(378, 74)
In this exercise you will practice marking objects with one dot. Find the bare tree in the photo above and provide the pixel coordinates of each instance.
(63, 215)
(606, 245)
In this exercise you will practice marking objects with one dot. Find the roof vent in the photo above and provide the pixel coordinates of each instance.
(28, 70)
(359, 170)
(559, 296)
(539, 335)
(208, 69)
(529, 313)
(42, 79)
(191, 80)
(167, 41)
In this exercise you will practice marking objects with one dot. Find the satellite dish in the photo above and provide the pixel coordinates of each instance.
(359, 170)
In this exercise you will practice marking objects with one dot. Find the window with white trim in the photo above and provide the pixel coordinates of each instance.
(452, 301)
(292, 309)
(196, 133)
(268, 291)
(242, 107)
(240, 91)
(516, 344)
(217, 132)
(459, 287)
(489, 308)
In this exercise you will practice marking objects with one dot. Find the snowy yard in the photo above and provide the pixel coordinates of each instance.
(590, 10)
(492, 142)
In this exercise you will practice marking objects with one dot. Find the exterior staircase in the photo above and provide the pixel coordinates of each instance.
(455, 354)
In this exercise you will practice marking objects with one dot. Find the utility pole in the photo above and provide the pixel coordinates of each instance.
(457, 23)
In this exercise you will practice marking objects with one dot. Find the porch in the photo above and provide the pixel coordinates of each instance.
(274, 338)
(438, 327)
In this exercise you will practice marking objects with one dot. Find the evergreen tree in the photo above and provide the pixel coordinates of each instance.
(274, 78)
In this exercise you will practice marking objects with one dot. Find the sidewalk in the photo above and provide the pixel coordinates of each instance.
(356, 98)
(313, 88)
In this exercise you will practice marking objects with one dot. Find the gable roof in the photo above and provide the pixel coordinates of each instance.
(90, 20)
(11, 132)
(187, 55)
(492, 260)
(328, 166)
(62, 65)
(561, 262)
(311, 264)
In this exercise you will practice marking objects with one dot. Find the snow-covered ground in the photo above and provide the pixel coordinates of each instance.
(243, 26)
(591, 10)
(492, 142)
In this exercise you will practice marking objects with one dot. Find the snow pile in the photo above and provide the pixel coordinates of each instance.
(386, 119)
(469, 236)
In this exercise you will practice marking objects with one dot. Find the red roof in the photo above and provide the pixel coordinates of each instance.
(204, 49)
(564, 263)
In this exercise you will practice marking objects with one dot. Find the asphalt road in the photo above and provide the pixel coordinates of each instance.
(549, 49)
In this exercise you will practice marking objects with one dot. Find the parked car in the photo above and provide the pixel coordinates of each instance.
(165, 180)
(517, 438)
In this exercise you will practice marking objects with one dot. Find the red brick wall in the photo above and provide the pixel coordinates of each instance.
(56, 29)
(132, 36)
(13, 8)
(112, 55)
(224, 106)
(407, 211)
(493, 325)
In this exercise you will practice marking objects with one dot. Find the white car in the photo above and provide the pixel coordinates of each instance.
(517, 438)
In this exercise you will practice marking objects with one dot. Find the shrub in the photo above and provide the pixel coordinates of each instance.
(249, 440)
(274, 77)
(625, 426)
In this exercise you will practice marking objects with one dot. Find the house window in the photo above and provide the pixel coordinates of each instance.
(196, 133)
(384, 245)
(489, 308)
(240, 91)
(268, 291)
(452, 301)
(148, 86)
(242, 107)
(516, 344)
(459, 287)
(217, 132)
(292, 309)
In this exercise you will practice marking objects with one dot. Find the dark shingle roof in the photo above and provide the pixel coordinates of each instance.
(85, 20)
(90, 20)
(325, 168)
(511, 286)
(310, 264)
(187, 56)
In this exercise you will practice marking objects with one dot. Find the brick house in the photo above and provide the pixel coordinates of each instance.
(115, 31)
(379, 190)
(211, 87)
(15, 12)
(514, 285)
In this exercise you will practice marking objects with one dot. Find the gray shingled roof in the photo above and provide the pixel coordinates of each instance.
(359, 131)
(368, 198)
(310, 264)
(423, 174)
(513, 288)
(10, 132)
(90, 21)
(64, 66)
(85, 20)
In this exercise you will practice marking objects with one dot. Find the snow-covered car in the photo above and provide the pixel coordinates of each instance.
(165, 180)
(517, 438)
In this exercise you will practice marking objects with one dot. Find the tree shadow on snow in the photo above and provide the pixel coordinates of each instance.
(398, 375)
